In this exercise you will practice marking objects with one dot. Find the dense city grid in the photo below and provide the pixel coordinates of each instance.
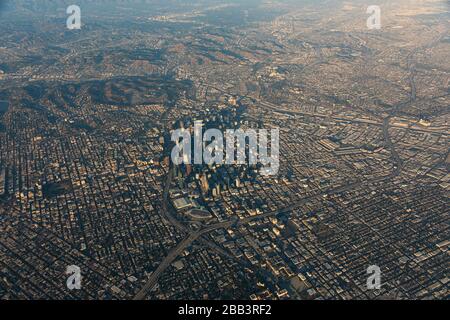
(86, 177)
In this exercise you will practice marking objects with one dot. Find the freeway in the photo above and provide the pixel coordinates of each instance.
(193, 236)
(173, 254)
(407, 125)
(411, 125)
(196, 235)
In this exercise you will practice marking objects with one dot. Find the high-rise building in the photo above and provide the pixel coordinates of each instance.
(2, 181)
(204, 183)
